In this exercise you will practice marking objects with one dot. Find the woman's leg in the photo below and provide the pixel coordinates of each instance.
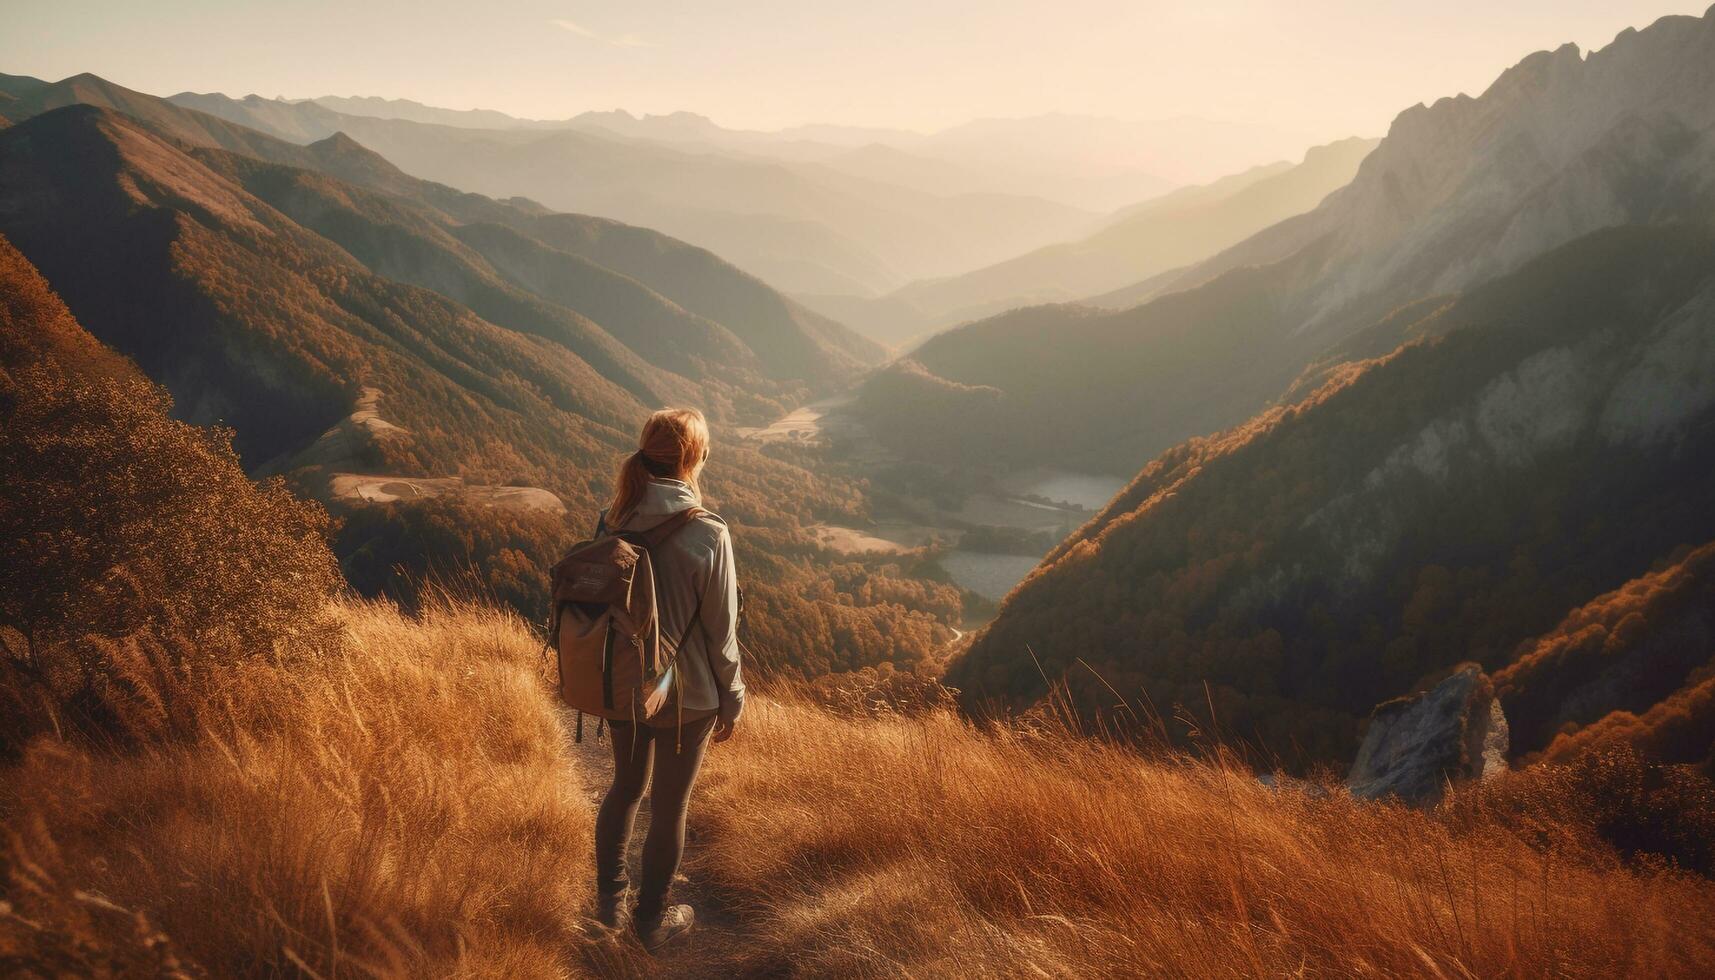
(678, 756)
(619, 807)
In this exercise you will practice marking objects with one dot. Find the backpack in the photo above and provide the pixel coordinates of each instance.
(605, 626)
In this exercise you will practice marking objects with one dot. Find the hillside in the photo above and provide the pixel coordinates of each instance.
(423, 248)
(793, 340)
(1459, 192)
(253, 320)
(1547, 441)
(122, 529)
(1630, 666)
(1176, 230)
(343, 354)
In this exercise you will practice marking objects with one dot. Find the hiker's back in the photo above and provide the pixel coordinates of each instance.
(606, 624)
(647, 612)
(694, 577)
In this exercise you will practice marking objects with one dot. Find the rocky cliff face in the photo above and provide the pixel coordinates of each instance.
(1469, 188)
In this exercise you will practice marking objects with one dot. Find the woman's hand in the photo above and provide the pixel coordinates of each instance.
(724, 729)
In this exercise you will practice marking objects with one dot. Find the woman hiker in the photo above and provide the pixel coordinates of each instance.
(696, 585)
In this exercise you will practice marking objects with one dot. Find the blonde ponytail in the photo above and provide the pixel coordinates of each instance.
(673, 445)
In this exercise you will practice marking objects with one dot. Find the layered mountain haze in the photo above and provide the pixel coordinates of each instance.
(802, 226)
(1467, 189)
(1111, 162)
(1143, 241)
(1089, 162)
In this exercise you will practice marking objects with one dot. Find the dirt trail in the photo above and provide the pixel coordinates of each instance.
(718, 928)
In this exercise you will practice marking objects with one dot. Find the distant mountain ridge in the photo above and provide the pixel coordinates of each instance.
(1062, 156)
(1146, 240)
(1456, 193)
(797, 224)
(798, 344)
(380, 108)
(1467, 188)
(815, 210)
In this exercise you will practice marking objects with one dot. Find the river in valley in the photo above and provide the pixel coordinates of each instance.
(1046, 501)
(994, 575)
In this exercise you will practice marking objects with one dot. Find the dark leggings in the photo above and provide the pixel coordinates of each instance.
(677, 756)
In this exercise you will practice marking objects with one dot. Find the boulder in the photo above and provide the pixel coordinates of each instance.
(1417, 745)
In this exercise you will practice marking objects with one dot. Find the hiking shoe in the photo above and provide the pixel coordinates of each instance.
(610, 910)
(666, 927)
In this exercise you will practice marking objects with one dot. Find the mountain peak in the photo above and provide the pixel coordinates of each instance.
(338, 143)
(83, 78)
(1536, 71)
(346, 158)
(75, 117)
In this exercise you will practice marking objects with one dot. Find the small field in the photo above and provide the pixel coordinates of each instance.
(372, 489)
(886, 539)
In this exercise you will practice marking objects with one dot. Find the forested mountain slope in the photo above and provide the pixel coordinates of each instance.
(1635, 665)
(797, 344)
(248, 318)
(1550, 440)
(122, 529)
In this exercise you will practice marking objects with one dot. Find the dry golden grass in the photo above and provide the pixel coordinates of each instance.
(901, 846)
(399, 801)
(403, 801)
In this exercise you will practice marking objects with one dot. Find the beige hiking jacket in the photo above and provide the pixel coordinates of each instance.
(697, 561)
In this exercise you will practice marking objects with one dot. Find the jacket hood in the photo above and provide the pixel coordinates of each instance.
(661, 500)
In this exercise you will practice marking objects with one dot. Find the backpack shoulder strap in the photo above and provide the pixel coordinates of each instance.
(658, 535)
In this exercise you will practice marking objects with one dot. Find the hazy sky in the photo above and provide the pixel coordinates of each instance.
(1325, 68)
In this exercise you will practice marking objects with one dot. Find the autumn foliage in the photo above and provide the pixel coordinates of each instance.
(1632, 666)
(125, 536)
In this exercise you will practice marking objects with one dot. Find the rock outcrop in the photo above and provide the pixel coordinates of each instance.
(1418, 744)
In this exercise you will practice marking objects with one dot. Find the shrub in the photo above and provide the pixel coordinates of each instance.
(121, 526)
